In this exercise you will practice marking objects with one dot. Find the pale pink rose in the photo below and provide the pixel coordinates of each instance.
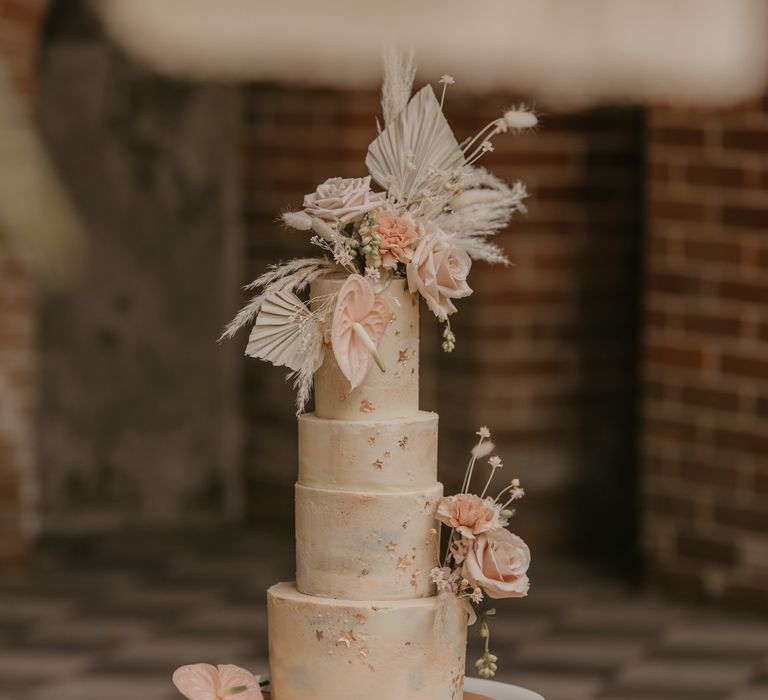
(438, 271)
(342, 199)
(497, 563)
(206, 682)
(398, 238)
(468, 514)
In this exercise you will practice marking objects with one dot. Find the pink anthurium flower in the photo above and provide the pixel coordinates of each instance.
(359, 320)
(206, 682)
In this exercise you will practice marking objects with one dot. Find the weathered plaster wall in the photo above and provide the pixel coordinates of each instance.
(136, 422)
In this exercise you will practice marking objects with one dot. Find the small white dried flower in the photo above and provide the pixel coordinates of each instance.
(482, 450)
(519, 118)
(299, 220)
(487, 146)
(448, 80)
(495, 462)
(441, 577)
(483, 432)
(373, 274)
(476, 595)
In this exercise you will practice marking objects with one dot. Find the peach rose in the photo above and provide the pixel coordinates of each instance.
(439, 272)
(497, 563)
(398, 239)
(468, 514)
(342, 199)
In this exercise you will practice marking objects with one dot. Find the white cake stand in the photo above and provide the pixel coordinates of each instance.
(499, 691)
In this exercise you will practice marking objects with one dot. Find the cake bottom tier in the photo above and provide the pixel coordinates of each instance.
(330, 649)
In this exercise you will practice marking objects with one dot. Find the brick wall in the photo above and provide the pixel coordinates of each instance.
(705, 447)
(19, 25)
(546, 349)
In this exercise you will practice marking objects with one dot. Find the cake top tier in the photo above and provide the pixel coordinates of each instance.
(412, 226)
(350, 384)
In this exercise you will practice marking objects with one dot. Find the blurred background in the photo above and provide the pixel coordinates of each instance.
(146, 472)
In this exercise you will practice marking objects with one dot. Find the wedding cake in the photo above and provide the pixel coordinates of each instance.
(361, 621)
(380, 607)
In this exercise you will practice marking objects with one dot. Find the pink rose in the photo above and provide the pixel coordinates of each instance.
(439, 272)
(342, 199)
(498, 563)
(398, 239)
(468, 514)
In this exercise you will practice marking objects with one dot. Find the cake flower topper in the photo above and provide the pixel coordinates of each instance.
(482, 557)
(433, 217)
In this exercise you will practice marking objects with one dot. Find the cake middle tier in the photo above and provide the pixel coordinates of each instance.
(361, 546)
(380, 456)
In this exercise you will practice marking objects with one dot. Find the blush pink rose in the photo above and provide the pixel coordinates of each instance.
(498, 563)
(398, 238)
(468, 514)
(438, 271)
(342, 199)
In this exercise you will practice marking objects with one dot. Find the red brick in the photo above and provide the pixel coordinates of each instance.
(706, 549)
(677, 505)
(753, 518)
(746, 139)
(674, 430)
(718, 251)
(724, 326)
(697, 396)
(716, 176)
(744, 291)
(742, 441)
(676, 357)
(678, 210)
(744, 366)
(745, 217)
(677, 136)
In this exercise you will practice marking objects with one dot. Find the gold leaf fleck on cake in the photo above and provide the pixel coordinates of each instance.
(319, 635)
(364, 652)
(402, 562)
(391, 547)
(407, 644)
(387, 454)
(433, 531)
(377, 464)
(360, 618)
(397, 333)
(347, 638)
(413, 370)
(403, 443)
(371, 440)
(414, 578)
(366, 406)
(371, 667)
(402, 356)
(405, 524)
(364, 572)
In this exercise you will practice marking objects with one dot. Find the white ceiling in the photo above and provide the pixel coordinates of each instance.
(555, 51)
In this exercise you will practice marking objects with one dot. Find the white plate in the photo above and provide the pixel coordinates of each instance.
(499, 691)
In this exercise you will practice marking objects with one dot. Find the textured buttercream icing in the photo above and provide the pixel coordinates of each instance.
(321, 649)
(376, 456)
(390, 394)
(362, 545)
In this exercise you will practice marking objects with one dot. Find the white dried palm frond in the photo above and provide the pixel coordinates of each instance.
(484, 207)
(399, 72)
(417, 153)
(293, 275)
(286, 333)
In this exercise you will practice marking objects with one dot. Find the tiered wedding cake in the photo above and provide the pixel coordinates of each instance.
(362, 619)
(379, 610)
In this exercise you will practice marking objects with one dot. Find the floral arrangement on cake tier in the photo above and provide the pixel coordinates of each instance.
(482, 557)
(433, 215)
